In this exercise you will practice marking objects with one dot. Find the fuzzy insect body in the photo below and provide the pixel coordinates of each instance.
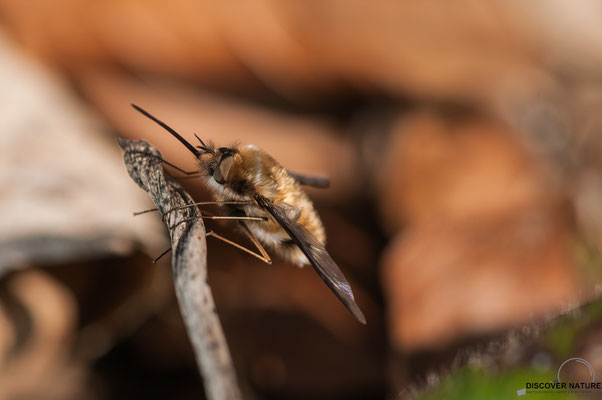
(291, 227)
(254, 172)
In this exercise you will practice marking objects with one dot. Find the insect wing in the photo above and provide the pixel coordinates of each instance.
(314, 181)
(317, 255)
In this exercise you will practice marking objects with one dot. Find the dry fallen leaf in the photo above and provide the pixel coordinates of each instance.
(38, 363)
(300, 50)
(439, 168)
(481, 243)
(449, 280)
(65, 193)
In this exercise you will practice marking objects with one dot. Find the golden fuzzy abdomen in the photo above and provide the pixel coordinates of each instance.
(271, 234)
(264, 176)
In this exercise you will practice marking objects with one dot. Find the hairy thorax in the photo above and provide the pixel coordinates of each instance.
(254, 172)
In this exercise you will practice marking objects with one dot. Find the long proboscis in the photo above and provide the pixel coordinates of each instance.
(190, 147)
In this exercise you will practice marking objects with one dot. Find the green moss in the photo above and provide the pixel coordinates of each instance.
(471, 383)
(561, 339)
(589, 260)
(563, 335)
(594, 310)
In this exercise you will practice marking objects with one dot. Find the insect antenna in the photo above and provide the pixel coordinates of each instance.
(190, 147)
(203, 146)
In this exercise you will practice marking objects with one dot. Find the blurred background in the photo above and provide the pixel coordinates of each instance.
(463, 145)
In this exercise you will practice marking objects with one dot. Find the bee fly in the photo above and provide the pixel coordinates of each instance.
(271, 207)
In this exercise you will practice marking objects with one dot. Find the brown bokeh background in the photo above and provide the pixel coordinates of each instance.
(461, 139)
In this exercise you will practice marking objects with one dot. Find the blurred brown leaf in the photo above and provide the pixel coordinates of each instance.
(483, 243)
(37, 363)
(299, 49)
(65, 194)
(448, 168)
(449, 280)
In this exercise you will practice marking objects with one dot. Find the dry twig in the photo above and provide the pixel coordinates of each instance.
(189, 263)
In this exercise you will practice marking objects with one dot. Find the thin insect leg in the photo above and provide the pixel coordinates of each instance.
(266, 260)
(210, 215)
(161, 255)
(226, 217)
(200, 203)
(207, 213)
(245, 218)
(145, 211)
(256, 242)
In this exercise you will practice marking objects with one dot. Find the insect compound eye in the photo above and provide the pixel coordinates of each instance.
(223, 169)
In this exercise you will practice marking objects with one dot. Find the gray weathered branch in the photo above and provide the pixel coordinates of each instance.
(189, 263)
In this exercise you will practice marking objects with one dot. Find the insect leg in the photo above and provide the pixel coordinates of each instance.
(161, 255)
(263, 257)
(200, 203)
(256, 242)
(245, 218)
